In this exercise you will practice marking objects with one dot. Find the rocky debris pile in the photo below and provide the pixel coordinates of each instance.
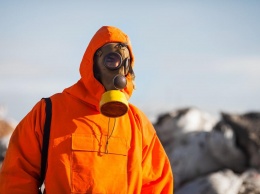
(209, 155)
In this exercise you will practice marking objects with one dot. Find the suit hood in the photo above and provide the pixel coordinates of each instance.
(88, 88)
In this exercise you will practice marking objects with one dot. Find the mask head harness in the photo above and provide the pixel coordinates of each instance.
(111, 66)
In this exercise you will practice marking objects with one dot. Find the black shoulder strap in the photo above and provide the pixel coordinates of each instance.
(46, 135)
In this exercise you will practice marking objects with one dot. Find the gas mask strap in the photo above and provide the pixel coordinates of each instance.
(131, 71)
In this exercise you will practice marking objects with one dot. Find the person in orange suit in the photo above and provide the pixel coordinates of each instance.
(99, 143)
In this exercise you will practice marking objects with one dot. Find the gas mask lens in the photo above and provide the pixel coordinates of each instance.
(113, 61)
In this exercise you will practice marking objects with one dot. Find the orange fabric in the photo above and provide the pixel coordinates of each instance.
(88, 153)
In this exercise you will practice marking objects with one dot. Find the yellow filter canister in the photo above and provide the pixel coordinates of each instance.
(113, 103)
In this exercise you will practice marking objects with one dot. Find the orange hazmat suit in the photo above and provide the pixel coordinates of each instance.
(85, 155)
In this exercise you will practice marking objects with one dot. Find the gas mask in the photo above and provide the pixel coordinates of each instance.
(111, 66)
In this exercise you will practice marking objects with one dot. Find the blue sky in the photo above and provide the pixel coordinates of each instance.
(188, 53)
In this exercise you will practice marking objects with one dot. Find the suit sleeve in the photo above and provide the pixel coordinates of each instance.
(157, 172)
(20, 172)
